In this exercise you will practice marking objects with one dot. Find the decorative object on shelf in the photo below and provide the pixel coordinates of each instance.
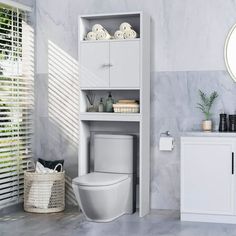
(130, 34)
(205, 107)
(109, 103)
(101, 105)
(126, 106)
(97, 27)
(232, 123)
(91, 98)
(125, 32)
(125, 26)
(91, 36)
(98, 33)
(223, 127)
(103, 35)
(119, 34)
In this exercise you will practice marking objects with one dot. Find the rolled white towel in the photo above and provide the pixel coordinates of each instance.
(97, 27)
(125, 26)
(103, 35)
(91, 36)
(130, 34)
(119, 34)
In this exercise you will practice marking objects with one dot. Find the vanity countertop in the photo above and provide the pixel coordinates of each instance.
(207, 134)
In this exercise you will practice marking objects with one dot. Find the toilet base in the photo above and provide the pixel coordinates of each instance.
(107, 220)
(105, 203)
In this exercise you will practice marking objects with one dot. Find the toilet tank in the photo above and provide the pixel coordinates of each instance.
(113, 153)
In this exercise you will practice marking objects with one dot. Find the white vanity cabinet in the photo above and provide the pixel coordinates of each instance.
(110, 64)
(208, 188)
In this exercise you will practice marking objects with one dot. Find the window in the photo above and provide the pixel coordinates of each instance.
(16, 102)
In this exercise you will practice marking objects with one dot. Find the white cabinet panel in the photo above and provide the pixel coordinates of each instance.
(125, 64)
(94, 65)
(206, 176)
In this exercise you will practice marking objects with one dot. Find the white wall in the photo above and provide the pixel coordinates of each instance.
(187, 54)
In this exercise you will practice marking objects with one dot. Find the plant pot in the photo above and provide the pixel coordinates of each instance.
(207, 125)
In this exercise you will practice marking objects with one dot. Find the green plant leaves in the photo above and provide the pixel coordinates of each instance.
(207, 103)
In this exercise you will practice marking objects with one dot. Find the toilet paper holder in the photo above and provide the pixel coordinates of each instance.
(166, 141)
(167, 133)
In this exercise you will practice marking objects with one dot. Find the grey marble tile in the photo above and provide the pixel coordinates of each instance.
(186, 36)
(183, 35)
(158, 223)
(174, 96)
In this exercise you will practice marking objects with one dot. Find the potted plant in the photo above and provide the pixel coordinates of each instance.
(205, 106)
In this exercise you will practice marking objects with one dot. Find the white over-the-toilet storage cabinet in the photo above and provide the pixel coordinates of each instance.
(208, 185)
(110, 64)
(123, 68)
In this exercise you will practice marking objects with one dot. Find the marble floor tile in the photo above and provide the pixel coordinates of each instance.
(70, 222)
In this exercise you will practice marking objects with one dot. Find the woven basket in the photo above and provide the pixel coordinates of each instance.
(126, 108)
(44, 192)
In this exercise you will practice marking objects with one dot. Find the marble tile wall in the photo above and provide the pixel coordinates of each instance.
(173, 104)
(187, 42)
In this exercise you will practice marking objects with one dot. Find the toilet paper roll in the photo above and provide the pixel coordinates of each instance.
(91, 36)
(130, 34)
(119, 34)
(125, 26)
(103, 35)
(97, 27)
(166, 143)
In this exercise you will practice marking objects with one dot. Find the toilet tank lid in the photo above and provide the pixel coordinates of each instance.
(99, 179)
(114, 136)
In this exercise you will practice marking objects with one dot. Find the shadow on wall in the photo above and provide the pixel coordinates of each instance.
(63, 111)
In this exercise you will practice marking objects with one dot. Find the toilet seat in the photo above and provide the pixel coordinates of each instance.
(100, 179)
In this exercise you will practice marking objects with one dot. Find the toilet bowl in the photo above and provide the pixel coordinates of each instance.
(109, 191)
(104, 196)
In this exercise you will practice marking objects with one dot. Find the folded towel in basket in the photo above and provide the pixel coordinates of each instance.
(51, 164)
(40, 191)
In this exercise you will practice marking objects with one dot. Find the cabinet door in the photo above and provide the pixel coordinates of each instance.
(125, 64)
(206, 175)
(94, 65)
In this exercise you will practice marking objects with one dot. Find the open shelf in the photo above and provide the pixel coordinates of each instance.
(109, 88)
(109, 40)
(106, 116)
(116, 95)
(111, 22)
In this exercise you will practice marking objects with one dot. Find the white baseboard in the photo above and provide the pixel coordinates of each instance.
(225, 219)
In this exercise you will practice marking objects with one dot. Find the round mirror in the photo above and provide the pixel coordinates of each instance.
(230, 52)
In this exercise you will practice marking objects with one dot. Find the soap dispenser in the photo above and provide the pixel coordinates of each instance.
(109, 103)
(101, 106)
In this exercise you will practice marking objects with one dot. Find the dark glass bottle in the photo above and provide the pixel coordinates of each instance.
(232, 123)
(109, 103)
(223, 127)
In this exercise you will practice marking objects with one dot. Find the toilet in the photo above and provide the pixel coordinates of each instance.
(107, 193)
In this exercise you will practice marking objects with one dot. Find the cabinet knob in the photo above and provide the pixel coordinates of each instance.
(105, 65)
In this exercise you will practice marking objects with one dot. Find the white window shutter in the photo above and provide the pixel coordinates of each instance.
(16, 101)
